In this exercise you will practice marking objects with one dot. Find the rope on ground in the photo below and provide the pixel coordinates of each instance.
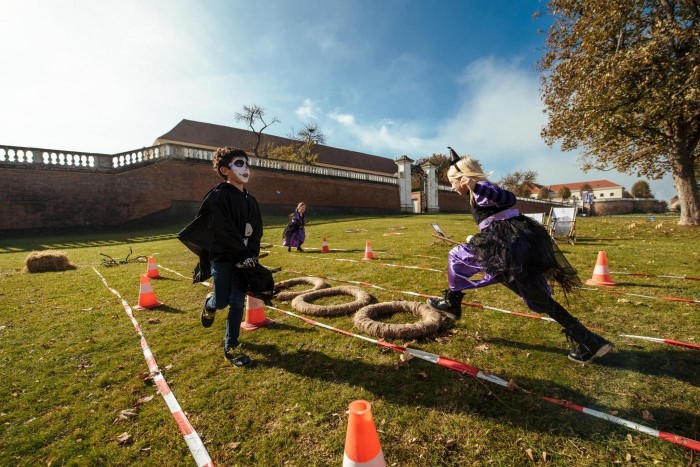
(284, 296)
(430, 321)
(301, 302)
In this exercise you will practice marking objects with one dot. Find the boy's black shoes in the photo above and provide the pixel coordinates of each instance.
(207, 316)
(300, 249)
(237, 358)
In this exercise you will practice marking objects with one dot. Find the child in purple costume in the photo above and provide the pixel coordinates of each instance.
(513, 250)
(294, 234)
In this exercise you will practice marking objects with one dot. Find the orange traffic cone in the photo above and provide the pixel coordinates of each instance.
(362, 442)
(147, 298)
(324, 246)
(601, 273)
(368, 251)
(152, 270)
(255, 317)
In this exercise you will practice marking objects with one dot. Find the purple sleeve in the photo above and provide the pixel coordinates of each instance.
(493, 193)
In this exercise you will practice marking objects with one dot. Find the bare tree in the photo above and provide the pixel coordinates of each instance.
(251, 116)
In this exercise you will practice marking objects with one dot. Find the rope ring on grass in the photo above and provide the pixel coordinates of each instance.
(316, 282)
(430, 320)
(301, 303)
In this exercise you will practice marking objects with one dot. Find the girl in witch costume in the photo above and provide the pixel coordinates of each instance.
(513, 250)
(294, 234)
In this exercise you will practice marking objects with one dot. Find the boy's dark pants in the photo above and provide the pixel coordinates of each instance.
(227, 293)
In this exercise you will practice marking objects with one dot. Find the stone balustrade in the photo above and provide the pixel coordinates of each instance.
(18, 157)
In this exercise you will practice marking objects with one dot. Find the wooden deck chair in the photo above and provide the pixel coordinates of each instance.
(538, 216)
(562, 224)
(440, 236)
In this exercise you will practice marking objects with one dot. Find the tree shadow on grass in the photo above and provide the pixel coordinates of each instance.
(426, 385)
(675, 363)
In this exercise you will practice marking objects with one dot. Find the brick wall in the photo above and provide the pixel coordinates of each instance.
(53, 197)
(452, 202)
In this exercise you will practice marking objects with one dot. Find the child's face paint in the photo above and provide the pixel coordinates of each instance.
(239, 170)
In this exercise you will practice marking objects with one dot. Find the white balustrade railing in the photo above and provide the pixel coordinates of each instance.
(17, 156)
(24, 156)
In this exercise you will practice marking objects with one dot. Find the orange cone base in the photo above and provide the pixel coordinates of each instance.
(154, 305)
(246, 326)
(599, 282)
(153, 274)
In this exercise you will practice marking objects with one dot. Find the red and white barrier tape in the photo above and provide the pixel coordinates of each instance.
(208, 284)
(615, 292)
(641, 274)
(464, 368)
(516, 313)
(421, 268)
(194, 442)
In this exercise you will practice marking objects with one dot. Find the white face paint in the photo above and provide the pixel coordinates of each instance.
(239, 170)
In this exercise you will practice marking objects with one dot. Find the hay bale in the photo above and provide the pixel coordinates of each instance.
(429, 321)
(301, 303)
(47, 261)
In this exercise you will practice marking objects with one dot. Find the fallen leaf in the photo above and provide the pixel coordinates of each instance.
(153, 321)
(512, 385)
(646, 415)
(622, 300)
(233, 445)
(544, 456)
(405, 356)
(482, 348)
(125, 415)
(628, 457)
(124, 438)
(423, 375)
(528, 451)
(143, 400)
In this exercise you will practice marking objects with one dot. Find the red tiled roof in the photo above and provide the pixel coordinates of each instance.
(214, 136)
(595, 184)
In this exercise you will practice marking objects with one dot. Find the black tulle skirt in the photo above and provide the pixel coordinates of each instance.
(516, 247)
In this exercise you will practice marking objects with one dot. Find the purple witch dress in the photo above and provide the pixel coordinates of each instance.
(294, 234)
(513, 250)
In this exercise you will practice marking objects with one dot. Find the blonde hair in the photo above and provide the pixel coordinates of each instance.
(300, 205)
(465, 168)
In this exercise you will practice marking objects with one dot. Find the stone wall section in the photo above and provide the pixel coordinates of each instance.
(55, 197)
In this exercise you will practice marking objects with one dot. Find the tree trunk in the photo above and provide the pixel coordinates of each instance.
(687, 188)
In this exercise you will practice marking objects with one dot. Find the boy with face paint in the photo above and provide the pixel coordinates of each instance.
(226, 236)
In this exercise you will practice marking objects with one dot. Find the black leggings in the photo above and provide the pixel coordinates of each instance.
(537, 295)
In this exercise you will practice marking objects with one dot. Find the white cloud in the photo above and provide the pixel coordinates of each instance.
(307, 110)
(345, 119)
(498, 121)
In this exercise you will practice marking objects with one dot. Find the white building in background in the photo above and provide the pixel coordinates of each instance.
(601, 189)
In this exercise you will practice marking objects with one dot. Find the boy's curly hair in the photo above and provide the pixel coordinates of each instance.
(224, 156)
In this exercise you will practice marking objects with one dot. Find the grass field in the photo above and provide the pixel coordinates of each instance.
(71, 362)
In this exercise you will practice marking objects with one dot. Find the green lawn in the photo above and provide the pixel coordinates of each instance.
(71, 361)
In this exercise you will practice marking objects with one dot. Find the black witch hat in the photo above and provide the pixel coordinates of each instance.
(454, 155)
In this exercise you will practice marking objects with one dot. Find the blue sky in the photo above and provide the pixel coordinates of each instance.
(386, 77)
